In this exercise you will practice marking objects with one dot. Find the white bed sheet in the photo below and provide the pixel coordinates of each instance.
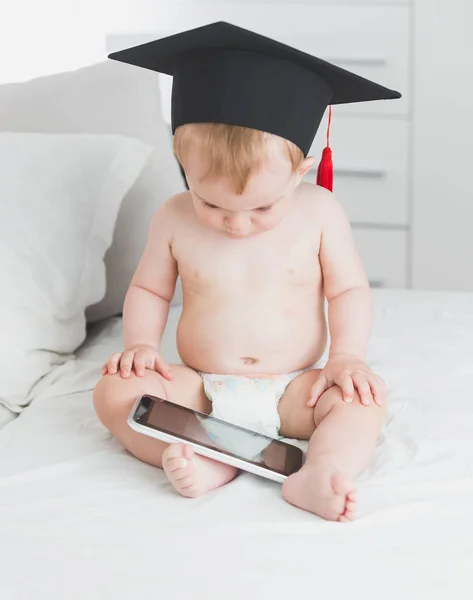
(81, 518)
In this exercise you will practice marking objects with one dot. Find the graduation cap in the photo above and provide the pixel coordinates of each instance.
(226, 74)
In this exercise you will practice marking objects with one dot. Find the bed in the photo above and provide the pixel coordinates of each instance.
(81, 518)
(78, 514)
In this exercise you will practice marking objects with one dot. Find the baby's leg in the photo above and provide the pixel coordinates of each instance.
(340, 448)
(191, 474)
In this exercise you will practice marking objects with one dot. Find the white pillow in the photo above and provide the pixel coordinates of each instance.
(159, 180)
(59, 200)
(106, 98)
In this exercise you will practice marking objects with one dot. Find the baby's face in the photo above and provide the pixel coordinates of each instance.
(262, 206)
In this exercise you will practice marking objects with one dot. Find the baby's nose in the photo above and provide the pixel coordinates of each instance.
(238, 223)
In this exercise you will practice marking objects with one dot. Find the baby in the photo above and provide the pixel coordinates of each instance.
(258, 250)
(257, 253)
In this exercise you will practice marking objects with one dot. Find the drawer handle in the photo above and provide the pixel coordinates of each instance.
(364, 62)
(306, 44)
(366, 173)
(376, 283)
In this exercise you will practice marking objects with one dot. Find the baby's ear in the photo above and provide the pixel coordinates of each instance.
(305, 166)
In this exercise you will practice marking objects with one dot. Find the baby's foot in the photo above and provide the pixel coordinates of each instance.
(193, 475)
(319, 488)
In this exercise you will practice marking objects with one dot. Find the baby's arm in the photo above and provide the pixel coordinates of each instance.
(345, 282)
(147, 301)
(349, 310)
(146, 306)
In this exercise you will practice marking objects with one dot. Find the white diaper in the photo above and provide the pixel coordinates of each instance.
(247, 401)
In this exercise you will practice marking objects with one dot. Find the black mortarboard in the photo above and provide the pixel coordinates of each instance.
(226, 74)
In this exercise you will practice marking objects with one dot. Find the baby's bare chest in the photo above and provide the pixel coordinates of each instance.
(238, 263)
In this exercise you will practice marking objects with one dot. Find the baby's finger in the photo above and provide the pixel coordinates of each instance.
(378, 389)
(140, 361)
(162, 367)
(378, 400)
(347, 387)
(363, 388)
(113, 362)
(319, 387)
(126, 363)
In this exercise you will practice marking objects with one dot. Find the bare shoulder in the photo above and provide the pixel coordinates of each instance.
(180, 204)
(316, 198)
(320, 204)
(176, 206)
(175, 210)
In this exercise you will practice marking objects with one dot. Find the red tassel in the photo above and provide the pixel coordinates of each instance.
(325, 170)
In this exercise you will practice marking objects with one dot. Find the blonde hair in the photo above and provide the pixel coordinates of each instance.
(233, 151)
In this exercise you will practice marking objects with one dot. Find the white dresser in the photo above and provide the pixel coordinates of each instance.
(371, 142)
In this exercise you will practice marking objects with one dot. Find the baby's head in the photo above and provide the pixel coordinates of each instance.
(242, 180)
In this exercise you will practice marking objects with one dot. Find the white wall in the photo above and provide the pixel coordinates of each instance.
(39, 37)
(443, 145)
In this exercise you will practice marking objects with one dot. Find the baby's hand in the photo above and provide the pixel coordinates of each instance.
(140, 357)
(349, 372)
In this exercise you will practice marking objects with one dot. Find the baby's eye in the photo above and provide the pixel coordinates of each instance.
(211, 206)
(264, 209)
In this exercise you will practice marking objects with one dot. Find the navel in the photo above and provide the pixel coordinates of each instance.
(247, 360)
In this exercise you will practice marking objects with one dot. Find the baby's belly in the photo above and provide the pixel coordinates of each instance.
(248, 335)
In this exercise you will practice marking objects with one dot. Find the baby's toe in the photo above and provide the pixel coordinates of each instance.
(349, 516)
(350, 504)
(191, 491)
(187, 482)
(188, 486)
(352, 496)
(350, 511)
(175, 464)
(182, 474)
(175, 451)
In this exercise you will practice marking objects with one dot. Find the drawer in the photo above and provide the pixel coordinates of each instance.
(371, 165)
(384, 256)
(371, 40)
